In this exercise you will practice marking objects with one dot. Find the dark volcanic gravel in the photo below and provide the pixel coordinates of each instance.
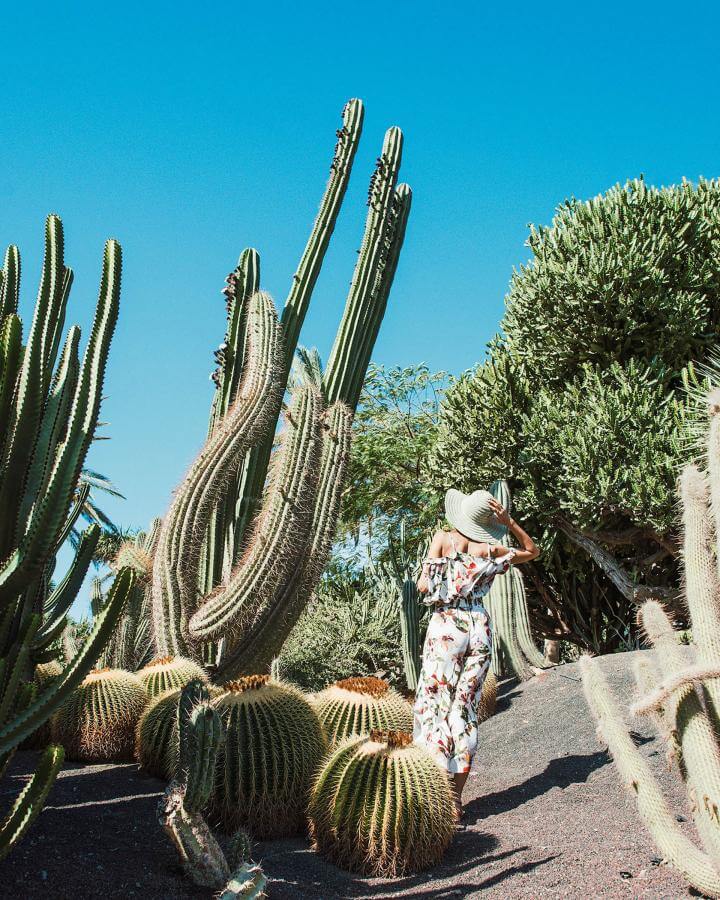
(548, 818)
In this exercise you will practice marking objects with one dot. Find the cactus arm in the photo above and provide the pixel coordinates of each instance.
(341, 363)
(10, 283)
(83, 492)
(57, 691)
(311, 261)
(177, 561)
(410, 633)
(695, 865)
(11, 354)
(281, 532)
(31, 799)
(54, 334)
(256, 647)
(48, 515)
(248, 881)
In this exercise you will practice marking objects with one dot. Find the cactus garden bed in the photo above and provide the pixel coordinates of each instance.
(547, 818)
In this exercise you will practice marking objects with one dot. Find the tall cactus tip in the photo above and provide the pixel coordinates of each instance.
(713, 402)
(692, 483)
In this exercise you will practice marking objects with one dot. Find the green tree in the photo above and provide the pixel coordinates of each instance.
(582, 404)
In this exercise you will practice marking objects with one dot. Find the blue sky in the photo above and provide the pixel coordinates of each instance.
(190, 131)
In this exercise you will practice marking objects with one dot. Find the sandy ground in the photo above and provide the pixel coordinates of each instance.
(547, 816)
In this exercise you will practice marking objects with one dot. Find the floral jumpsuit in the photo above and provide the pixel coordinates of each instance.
(456, 656)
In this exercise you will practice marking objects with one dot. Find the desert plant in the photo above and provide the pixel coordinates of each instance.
(97, 722)
(229, 579)
(45, 674)
(683, 702)
(201, 736)
(169, 672)
(274, 744)
(381, 807)
(49, 405)
(357, 706)
(156, 738)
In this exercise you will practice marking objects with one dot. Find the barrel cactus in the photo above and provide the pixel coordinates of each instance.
(156, 740)
(382, 807)
(488, 698)
(97, 722)
(359, 705)
(169, 672)
(274, 745)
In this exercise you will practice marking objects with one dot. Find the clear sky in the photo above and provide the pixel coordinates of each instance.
(189, 131)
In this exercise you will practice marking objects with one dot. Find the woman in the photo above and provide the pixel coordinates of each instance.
(458, 572)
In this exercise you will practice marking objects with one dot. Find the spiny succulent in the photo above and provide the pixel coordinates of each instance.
(97, 722)
(169, 672)
(488, 698)
(357, 705)
(45, 674)
(135, 557)
(274, 744)
(156, 736)
(381, 806)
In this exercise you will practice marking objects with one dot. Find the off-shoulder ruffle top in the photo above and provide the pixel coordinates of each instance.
(462, 576)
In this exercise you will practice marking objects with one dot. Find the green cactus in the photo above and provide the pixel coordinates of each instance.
(168, 673)
(381, 807)
(274, 744)
(357, 706)
(49, 406)
(201, 735)
(683, 703)
(156, 736)
(45, 674)
(97, 722)
(249, 531)
(514, 650)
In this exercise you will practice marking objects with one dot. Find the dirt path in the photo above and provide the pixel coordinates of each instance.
(549, 820)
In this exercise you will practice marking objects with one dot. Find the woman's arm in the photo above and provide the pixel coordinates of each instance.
(528, 549)
(435, 550)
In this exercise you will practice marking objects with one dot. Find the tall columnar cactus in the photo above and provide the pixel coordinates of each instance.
(274, 744)
(49, 406)
(201, 736)
(357, 706)
(514, 650)
(684, 702)
(250, 529)
(97, 722)
(381, 807)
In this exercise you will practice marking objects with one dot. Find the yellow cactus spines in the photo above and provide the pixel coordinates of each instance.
(488, 698)
(381, 806)
(97, 722)
(156, 736)
(358, 705)
(169, 672)
(274, 744)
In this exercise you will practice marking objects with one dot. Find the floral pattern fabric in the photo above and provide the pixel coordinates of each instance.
(456, 657)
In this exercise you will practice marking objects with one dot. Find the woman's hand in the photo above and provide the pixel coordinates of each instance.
(501, 514)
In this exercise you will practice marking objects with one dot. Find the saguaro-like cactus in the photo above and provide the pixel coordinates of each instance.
(514, 650)
(683, 703)
(249, 529)
(180, 810)
(49, 405)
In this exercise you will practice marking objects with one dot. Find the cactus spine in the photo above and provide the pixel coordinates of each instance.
(168, 673)
(682, 704)
(381, 807)
(274, 744)
(49, 406)
(201, 736)
(357, 706)
(156, 739)
(246, 538)
(514, 650)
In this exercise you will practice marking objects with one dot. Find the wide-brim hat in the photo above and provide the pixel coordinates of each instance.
(472, 515)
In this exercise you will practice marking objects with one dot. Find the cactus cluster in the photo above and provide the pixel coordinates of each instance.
(156, 737)
(167, 673)
(357, 706)
(514, 649)
(201, 736)
(249, 529)
(683, 700)
(274, 744)
(49, 406)
(97, 722)
(381, 806)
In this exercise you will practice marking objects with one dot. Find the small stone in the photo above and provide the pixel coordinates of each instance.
(680, 819)
(626, 875)
(43, 875)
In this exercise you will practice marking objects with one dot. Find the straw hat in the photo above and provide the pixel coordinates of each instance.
(472, 515)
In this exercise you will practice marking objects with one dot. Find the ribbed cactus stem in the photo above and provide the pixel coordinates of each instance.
(278, 541)
(176, 567)
(702, 584)
(205, 735)
(696, 866)
(410, 633)
(247, 881)
(698, 742)
(647, 680)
